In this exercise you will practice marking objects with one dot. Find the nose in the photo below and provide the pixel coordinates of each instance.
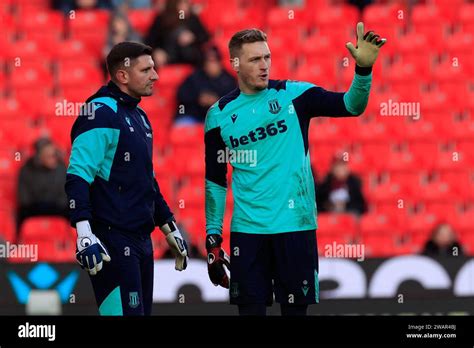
(154, 76)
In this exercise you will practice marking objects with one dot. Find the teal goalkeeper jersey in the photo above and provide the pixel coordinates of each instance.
(264, 136)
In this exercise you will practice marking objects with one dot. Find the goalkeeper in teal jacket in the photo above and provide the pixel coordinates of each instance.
(261, 128)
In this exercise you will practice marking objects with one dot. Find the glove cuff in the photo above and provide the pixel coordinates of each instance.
(169, 226)
(213, 241)
(363, 71)
(83, 229)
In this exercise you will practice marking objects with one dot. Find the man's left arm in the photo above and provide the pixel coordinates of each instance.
(316, 101)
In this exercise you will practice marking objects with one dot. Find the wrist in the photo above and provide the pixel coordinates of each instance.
(83, 228)
(169, 226)
(213, 241)
(363, 71)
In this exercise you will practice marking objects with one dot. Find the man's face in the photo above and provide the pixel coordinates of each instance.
(48, 157)
(253, 66)
(141, 76)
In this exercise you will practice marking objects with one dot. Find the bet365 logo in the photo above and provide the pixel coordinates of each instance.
(259, 134)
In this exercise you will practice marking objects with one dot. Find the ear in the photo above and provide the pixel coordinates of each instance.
(235, 62)
(121, 76)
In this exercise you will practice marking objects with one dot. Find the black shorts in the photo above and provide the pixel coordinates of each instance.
(285, 264)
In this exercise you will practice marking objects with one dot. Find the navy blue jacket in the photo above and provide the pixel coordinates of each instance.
(110, 177)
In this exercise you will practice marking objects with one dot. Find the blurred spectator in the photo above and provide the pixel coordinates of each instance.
(177, 35)
(341, 190)
(124, 5)
(288, 3)
(443, 242)
(41, 184)
(120, 30)
(69, 5)
(360, 4)
(203, 88)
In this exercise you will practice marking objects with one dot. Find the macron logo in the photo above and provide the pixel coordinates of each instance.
(37, 331)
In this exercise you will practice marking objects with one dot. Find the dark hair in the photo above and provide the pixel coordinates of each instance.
(123, 50)
(245, 36)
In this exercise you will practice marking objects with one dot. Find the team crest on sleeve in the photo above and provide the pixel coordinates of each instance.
(273, 106)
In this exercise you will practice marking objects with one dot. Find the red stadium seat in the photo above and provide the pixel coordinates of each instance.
(45, 228)
(443, 211)
(191, 135)
(73, 50)
(450, 160)
(389, 192)
(160, 246)
(437, 191)
(379, 224)
(379, 245)
(379, 15)
(192, 222)
(191, 197)
(7, 226)
(81, 23)
(421, 223)
(53, 235)
(31, 76)
(466, 16)
(344, 225)
(141, 19)
(463, 223)
(77, 74)
(79, 94)
(398, 161)
(171, 76)
(42, 24)
(346, 15)
(12, 139)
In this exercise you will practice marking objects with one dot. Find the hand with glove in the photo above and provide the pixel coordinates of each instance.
(368, 46)
(90, 251)
(177, 244)
(216, 260)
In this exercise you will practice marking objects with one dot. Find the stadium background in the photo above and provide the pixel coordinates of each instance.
(415, 172)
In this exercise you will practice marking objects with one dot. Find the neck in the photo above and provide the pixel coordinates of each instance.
(247, 89)
(125, 90)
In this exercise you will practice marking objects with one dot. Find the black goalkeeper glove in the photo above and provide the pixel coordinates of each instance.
(217, 258)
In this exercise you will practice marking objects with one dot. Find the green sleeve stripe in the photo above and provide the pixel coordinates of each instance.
(93, 153)
(215, 206)
(356, 98)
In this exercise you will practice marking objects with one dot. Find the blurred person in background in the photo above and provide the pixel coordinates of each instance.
(443, 242)
(120, 30)
(341, 190)
(72, 5)
(177, 35)
(203, 88)
(131, 4)
(41, 182)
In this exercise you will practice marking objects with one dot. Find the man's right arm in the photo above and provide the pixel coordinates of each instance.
(91, 139)
(216, 190)
(216, 175)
